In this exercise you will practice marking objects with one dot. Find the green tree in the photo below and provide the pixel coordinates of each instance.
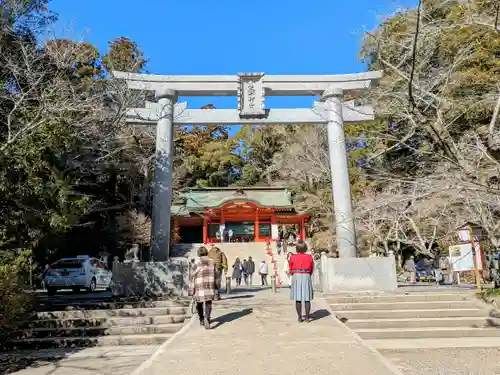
(124, 55)
(259, 144)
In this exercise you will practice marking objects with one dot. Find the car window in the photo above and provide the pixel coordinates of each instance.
(68, 263)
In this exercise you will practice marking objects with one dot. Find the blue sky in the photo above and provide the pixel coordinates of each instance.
(196, 37)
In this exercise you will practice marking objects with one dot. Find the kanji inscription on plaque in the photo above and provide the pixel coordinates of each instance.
(251, 95)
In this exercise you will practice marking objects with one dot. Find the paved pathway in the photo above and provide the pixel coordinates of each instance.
(117, 360)
(257, 334)
(449, 361)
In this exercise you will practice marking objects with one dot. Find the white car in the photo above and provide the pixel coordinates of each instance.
(77, 273)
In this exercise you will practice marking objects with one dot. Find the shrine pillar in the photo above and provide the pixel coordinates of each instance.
(344, 218)
(303, 228)
(256, 227)
(205, 229)
(162, 198)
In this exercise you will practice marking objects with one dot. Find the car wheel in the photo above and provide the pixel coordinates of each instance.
(51, 291)
(92, 286)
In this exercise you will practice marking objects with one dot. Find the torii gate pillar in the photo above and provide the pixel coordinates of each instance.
(339, 170)
(162, 198)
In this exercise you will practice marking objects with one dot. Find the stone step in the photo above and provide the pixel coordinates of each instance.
(79, 353)
(476, 322)
(97, 305)
(410, 314)
(388, 346)
(95, 331)
(107, 322)
(403, 305)
(403, 298)
(99, 314)
(70, 342)
(433, 332)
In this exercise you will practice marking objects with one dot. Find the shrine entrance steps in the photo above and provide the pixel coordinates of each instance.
(447, 331)
(233, 250)
(87, 331)
(242, 250)
(419, 320)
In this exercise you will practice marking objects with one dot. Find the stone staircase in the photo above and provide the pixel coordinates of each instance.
(232, 250)
(243, 250)
(84, 324)
(419, 320)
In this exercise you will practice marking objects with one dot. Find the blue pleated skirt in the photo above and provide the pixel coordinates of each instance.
(301, 288)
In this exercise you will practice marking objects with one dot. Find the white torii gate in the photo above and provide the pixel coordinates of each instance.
(251, 90)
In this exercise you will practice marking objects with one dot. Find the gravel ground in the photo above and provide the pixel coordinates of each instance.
(467, 361)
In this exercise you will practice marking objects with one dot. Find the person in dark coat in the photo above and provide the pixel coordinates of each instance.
(244, 267)
(237, 271)
(250, 270)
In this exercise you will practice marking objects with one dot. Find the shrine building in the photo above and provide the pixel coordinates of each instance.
(254, 214)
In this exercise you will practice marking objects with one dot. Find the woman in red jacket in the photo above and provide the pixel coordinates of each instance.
(301, 269)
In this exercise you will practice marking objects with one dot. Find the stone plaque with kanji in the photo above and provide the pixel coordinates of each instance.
(251, 95)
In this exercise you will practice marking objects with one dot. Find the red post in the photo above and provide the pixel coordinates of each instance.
(302, 228)
(256, 227)
(205, 229)
(273, 218)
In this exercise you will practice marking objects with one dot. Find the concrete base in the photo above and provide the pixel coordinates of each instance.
(356, 274)
(151, 278)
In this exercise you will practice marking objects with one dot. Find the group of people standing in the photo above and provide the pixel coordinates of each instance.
(244, 270)
(224, 234)
(206, 279)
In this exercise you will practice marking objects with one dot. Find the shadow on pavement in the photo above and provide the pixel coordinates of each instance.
(343, 320)
(227, 318)
(245, 289)
(239, 296)
(12, 362)
(491, 322)
(320, 314)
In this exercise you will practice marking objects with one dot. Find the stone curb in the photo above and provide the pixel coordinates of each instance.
(388, 364)
(142, 369)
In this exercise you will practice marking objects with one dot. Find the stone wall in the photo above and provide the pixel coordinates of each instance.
(151, 278)
(356, 274)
